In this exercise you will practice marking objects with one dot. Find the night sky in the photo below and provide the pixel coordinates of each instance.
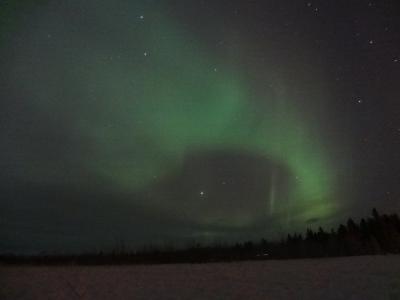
(168, 122)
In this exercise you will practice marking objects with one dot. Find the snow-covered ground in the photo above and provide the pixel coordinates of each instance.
(368, 277)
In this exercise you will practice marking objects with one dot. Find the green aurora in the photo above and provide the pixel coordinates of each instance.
(139, 98)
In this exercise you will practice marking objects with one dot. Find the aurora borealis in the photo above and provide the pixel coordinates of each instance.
(169, 121)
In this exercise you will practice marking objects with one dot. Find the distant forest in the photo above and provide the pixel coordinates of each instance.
(378, 234)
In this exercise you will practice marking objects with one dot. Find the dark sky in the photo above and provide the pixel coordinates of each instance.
(169, 122)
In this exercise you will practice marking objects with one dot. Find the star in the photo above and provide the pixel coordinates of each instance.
(202, 193)
(145, 53)
(371, 42)
(141, 17)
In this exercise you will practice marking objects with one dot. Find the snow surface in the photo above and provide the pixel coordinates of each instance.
(368, 277)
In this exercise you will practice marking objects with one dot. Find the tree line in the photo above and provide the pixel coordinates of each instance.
(378, 234)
